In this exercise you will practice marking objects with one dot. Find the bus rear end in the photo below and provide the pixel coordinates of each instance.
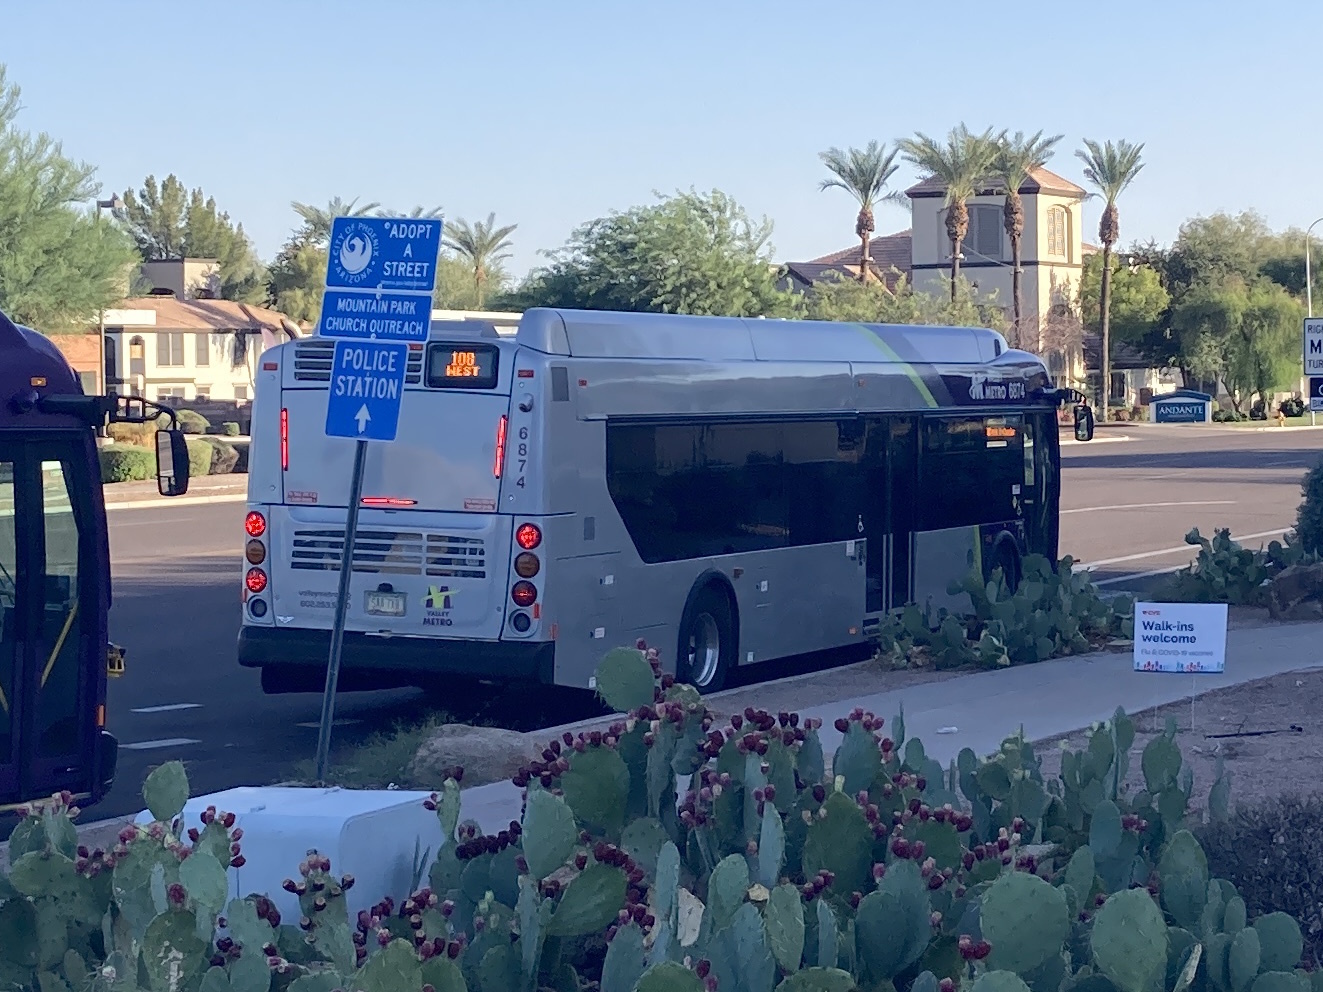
(444, 573)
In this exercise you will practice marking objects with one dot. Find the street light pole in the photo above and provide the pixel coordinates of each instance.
(1309, 303)
(113, 204)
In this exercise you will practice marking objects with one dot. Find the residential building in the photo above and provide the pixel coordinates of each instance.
(1052, 253)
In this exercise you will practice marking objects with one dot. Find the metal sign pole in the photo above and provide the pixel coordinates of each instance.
(341, 607)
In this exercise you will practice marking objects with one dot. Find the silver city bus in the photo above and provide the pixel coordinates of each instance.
(733, 490)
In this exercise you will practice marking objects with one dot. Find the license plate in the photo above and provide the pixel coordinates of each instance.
(385, 604)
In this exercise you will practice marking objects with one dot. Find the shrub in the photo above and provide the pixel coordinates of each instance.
(875, 873)
(126, 463)
(1225, 572)
(1273, 854)
(1309, 518)
(200, 454)
(1293, 407)
(241, 451)
(230, 428)
(192, 422)
(224, 456)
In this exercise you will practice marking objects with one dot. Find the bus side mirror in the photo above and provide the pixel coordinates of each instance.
(171, 463)
(1083, 423)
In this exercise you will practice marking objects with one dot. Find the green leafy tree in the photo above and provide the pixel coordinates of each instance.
(844, 299)
(1111, 168)
(696, 253)
(1017, 158)
(169, 221)
(297, 279)
(1138, 297)
(863, 173)
(959, 164)
(482, 247)
(59, 263)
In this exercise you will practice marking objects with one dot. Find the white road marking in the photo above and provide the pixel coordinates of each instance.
(1133, 576)
(169, 708)
(313, 725)
(1090, 566)
(1145, 506)
(157, 745)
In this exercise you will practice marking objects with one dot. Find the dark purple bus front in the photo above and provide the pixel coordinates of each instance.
(55, 654)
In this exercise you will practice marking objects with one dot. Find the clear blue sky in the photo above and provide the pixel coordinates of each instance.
(551, 114)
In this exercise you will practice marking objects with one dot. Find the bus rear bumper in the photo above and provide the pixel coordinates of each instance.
(370, 662)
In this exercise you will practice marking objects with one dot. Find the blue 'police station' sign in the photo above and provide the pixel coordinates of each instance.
(379, 280)
(367, 386)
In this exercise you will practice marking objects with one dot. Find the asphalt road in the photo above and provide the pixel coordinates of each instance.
(1125, 509)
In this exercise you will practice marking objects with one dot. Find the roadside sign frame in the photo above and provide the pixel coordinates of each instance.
(1312, 345)
(393, 261)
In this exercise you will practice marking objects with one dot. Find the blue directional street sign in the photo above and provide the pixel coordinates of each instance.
(367, 385)
(375, 316)
(383, 254)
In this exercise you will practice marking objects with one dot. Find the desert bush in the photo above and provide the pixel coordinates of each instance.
(241, 462)
(1273, 854)
(1309, 518)
(200, 455)
(142, 435)
(1292, 407)
(230, 428)
(126, 463)
(771, 871)
(1052, 612)
(223, 456)
(192, 422)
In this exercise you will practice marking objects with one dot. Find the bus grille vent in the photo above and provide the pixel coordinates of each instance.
(390, 552)
(313, 360)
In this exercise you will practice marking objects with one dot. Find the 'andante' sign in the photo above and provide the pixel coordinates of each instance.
(1180, 637)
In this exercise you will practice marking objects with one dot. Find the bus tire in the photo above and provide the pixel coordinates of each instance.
(1006, 556)
(707, 647)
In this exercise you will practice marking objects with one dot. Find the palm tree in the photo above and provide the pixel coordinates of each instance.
(1111, 168)
(417, 213)
(960, 165)
(1017, 158)
(317, 220)
(482, 246)
(863, 174)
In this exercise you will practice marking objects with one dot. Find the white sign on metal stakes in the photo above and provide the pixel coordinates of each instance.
(1313, 345)
(1181, 637)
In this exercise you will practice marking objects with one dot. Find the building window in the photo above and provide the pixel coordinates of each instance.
(983, 240)
(137, 356)
(203, 349)
(169, 349)
(172, 393)
(241, 394)
(203, 396)
(1058, 233)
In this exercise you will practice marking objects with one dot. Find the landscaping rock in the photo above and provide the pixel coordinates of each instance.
(487, 754)
(1296, 593)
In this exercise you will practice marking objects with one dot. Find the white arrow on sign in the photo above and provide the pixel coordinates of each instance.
(362, 417)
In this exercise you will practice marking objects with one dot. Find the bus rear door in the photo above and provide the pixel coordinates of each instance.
(52, 618)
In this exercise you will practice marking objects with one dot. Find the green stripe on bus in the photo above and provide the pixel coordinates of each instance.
(910, 371)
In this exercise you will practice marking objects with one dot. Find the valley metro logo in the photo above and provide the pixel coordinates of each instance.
(438, 599)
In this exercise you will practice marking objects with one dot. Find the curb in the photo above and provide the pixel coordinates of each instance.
(1098, 440)
(164, 502)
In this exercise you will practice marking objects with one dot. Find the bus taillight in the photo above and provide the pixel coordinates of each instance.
(254, 524)
(526, 565)
(500, 445)
(284, 439)
(524, 594)
(529, 536)
(255, 580)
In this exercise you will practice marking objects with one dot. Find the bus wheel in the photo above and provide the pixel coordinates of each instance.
(707, 640)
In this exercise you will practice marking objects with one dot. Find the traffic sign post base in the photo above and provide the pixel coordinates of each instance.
(341, 608)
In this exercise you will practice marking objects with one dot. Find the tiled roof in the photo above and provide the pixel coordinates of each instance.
(79, 350)
(1039, 181)
(1089, 249)
(206, 315)
(889, 254)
